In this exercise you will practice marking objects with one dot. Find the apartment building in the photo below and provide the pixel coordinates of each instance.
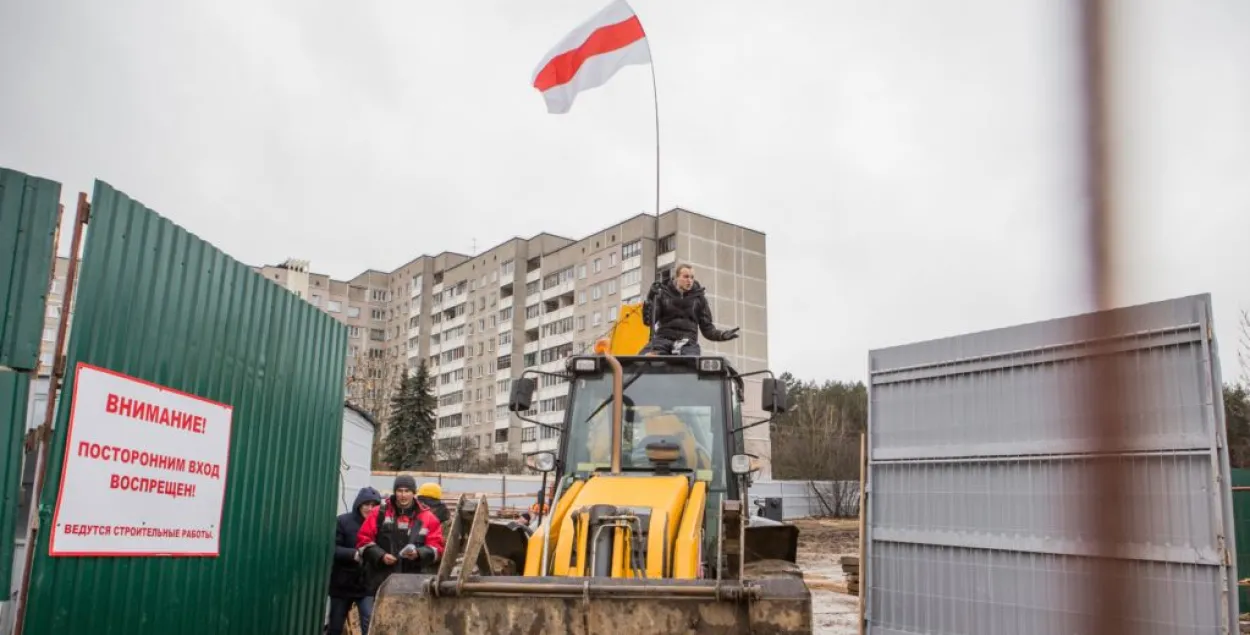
(480, 320)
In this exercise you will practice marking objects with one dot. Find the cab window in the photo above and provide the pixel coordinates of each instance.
(684, 408)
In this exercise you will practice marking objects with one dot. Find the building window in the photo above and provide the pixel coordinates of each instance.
(581, 272)
(596, 292)
(334, 306)
(667, 244)
(631, 249)
(49, 335)
(529, 434)
(504, 362)
(631, 277)
(353, 331)
(597, 319)
(612, 259)
(612, 286)
(598, 265)
(581, 323)
(581, 297)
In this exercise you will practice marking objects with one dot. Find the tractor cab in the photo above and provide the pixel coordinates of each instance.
(656, 435)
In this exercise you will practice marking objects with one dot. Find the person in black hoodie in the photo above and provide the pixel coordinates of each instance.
(347, 578)
(677, 311)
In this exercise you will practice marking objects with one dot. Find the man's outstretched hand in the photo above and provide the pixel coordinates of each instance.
(731, 334)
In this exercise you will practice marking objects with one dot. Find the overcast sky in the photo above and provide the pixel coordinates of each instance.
(912, 163)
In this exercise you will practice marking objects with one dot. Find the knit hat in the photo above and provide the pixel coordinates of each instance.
(405, 481)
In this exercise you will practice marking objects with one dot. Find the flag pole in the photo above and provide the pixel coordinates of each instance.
(655, 102)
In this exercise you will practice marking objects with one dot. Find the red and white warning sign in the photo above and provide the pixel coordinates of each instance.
(144, 471)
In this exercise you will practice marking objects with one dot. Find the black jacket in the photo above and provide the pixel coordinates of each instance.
(673, 315)
(440, 511)
(347, 578)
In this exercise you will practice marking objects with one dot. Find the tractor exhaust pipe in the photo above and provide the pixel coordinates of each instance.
(618, 407)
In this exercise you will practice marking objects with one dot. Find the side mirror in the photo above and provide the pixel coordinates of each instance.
(522, 397)
(541, 461)
(773, 397)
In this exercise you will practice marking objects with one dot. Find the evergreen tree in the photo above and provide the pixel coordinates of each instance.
(410, 437)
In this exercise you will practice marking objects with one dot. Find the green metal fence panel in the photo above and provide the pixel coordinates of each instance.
(29, 215)
(1241, 524)
(157, 303)
(14, 393)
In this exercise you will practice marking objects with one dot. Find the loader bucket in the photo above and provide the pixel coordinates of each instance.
(410, 604)
(772, 542)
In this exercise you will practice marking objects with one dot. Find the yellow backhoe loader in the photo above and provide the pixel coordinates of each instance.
(649, 530)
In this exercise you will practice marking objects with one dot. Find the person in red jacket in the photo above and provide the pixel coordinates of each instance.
(400, 536)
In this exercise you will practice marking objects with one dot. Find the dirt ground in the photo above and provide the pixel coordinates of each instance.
(821, 543)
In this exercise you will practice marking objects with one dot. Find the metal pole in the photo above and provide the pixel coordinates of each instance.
(1112, 585)
(54, 384)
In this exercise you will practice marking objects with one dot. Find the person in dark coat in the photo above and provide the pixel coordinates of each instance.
(347, 577)
(431, 495)
(677, 311)
(401, 536)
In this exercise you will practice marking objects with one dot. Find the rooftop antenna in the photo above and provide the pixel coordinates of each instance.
(473, 251)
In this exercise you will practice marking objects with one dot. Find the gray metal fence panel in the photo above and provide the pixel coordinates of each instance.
(980, 471)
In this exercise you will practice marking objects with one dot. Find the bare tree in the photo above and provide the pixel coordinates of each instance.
(1243, 348)
(372, 380)
(459, 454)
(818, 439)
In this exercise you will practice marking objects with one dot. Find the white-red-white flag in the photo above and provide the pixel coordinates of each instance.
(590, 55)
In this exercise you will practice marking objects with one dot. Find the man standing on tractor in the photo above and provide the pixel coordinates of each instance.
(400, 536)
(677, 311)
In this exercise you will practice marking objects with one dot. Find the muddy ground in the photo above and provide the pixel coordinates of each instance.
(821, 543)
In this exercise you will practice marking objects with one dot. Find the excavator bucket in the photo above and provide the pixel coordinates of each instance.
(413, 605)
(468, 596)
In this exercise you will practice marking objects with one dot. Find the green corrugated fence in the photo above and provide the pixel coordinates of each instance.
(1241, 522)
(29, 215)
(157, 303)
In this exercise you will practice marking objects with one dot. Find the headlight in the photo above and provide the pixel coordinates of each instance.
(710, 365)
(740, 464)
